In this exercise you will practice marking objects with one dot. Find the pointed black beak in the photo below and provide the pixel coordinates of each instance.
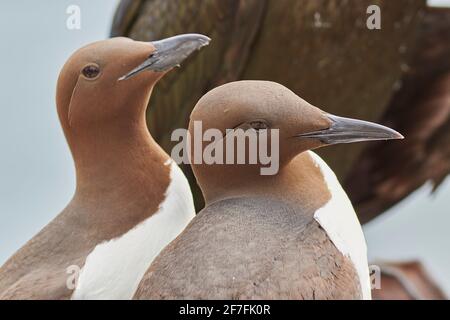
(170, 53)
(346, 130)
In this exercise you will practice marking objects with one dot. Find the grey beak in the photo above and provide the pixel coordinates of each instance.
(170, 53)
(346, 130)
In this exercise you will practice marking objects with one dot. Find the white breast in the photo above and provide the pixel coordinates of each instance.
(339, 220)
(114, 269)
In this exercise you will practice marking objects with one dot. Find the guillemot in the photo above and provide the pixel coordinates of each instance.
(292, 235)
(131, 199)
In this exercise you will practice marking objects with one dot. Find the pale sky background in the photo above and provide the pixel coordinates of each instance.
(37, 177)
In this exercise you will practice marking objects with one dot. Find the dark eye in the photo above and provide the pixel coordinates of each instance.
(259, 125)
(90, 71)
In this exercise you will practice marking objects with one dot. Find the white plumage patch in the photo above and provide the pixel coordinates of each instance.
(339, 220)
(114, 269)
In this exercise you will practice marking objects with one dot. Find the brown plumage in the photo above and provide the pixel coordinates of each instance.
(251, 248)
(97, 135)
(264, 236)
(320, 49)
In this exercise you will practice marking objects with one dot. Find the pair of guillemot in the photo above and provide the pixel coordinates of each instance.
(131, 227)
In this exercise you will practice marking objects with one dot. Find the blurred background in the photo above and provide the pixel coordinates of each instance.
(382, 75)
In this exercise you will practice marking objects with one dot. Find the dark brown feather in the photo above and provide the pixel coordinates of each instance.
(387, 173)
(297, 260)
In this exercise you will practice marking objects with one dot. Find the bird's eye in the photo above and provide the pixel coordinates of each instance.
(259, 125)
(91, 71)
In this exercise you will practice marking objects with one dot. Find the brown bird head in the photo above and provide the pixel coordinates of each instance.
(112, 79)
(266, 107)
(102, 95)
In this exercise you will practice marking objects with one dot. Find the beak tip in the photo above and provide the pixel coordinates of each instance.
(395, 135)
(398, 136)
(203, 41)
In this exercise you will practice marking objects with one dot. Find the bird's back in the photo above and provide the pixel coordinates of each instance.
(251, 248)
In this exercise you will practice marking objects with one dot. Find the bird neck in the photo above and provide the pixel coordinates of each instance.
(114, 159)
(299, 183)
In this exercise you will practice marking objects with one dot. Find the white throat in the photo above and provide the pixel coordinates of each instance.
(339, 220)
(114, 268)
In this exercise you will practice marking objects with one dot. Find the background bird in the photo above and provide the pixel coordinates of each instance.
(323, 50)
(130, 200)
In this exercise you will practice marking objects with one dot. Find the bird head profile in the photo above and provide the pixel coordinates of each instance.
(112, 79)
(102, 95)
(259, 107)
